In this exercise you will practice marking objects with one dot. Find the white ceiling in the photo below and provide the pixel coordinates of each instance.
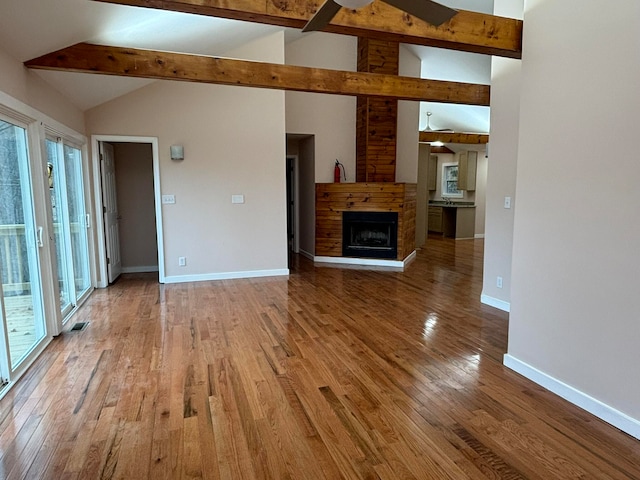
(30, 28)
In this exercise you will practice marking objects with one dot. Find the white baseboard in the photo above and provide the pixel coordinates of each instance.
(143, 269)
(226, 276)
(496, 303)
(368, 262)
(479, 235)
(304, 253)
(596, 407)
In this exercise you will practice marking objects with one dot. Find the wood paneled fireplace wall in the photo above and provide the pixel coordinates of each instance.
(334, 198)
(375, 189)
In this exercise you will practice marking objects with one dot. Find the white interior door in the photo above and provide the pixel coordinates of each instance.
(110, 209)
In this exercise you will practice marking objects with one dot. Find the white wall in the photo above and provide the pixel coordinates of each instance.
(501, 174)
(234, 143)
(331, 118)
(574, 296)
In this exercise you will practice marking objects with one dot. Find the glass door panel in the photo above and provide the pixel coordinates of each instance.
(56, 190)
(77, 219)
(23, 320)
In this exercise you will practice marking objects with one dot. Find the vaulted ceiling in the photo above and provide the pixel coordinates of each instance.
(30, 28)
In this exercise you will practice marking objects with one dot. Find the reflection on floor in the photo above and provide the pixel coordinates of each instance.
(20, 325)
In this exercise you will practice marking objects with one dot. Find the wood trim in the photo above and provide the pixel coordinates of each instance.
(466, 31)
(442, 149)
(466, 138)
(377, 118)
(334, 198)
(132, 62)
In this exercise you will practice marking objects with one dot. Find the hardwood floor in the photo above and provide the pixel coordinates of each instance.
(330, 373)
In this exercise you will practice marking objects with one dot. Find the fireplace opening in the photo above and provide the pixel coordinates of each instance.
(370, 234)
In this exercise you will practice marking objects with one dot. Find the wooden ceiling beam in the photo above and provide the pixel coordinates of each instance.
(443, 149)
(466, 31)
(131, 62)
(466, 138)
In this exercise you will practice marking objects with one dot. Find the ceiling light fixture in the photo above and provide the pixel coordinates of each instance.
(437, 144)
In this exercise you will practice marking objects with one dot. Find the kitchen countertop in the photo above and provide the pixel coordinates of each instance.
(440, 203)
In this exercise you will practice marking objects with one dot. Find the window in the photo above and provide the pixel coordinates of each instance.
(450, 181)
(42, 205)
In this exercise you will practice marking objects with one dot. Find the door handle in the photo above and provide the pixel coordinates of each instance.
(39, 237)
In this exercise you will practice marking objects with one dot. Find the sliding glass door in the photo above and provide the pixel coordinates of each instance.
(78, 220)
(23, 325)
(59, 217)
(70, 222)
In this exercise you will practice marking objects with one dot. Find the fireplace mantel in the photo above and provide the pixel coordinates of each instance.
(334, 198)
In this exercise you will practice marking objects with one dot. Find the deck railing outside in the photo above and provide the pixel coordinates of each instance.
(13, 260)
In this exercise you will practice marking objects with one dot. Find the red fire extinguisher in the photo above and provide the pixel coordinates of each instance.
(336, 172)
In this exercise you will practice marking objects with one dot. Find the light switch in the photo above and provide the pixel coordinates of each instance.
(237, 198)
(168, 199)
(507, 202)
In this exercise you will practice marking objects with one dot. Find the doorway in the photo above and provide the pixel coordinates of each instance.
(292, 204)
(127, 183)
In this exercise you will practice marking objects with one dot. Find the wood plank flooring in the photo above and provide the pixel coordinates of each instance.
(21, 329)
(330, 373)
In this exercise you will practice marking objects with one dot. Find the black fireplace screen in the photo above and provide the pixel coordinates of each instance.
(370, 234)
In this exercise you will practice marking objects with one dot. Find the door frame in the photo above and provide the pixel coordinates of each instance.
(97, 181)
(110, 219)
(295, 198)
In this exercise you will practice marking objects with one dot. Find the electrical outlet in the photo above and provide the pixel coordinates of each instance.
(168, 199)
(507, 202)
(182, 261)
(499, 282)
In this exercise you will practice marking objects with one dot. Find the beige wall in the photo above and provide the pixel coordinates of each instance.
(136, 206)
(25, 85)
(234, 143)
(408, 120)
(422, 194)
(481, 192)
(331, 118)
(574, 296)
(501, 174)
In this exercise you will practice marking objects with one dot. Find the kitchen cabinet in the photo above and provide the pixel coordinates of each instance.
(456, 221)
(435, 219)
(467, 169)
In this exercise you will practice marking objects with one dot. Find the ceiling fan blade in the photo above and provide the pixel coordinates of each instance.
(431, 12)
(322, 17)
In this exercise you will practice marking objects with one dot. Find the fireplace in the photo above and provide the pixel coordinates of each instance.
(370, 234)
